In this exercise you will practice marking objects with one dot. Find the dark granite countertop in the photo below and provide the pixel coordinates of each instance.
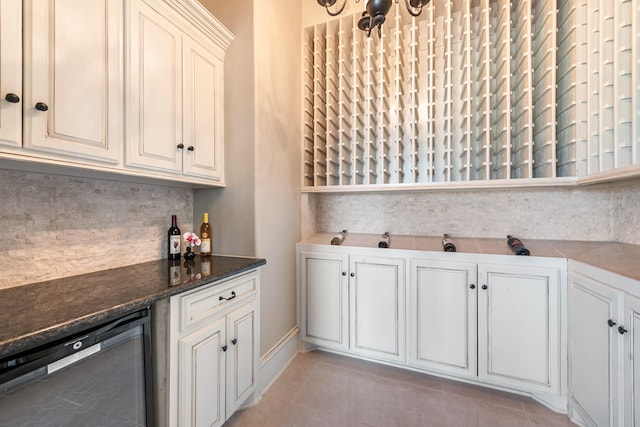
(32, 315)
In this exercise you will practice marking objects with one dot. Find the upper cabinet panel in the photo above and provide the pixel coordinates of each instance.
(10, 73)
(73, 98)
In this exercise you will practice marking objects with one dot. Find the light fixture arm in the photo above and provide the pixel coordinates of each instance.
(329, 3)
(414, 7)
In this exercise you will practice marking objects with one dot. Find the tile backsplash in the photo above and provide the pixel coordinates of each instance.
(593, 213)
(56, 226)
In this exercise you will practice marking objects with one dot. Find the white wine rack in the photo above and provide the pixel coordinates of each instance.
(473, 91)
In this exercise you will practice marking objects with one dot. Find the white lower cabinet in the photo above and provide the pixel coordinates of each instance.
(519, 327)
(632, 362)
(213, 352)
(376, 307)
(443, 316)
(498, 323)
(324, 299)
(604, 352)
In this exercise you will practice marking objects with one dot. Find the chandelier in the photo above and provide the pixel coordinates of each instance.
(375, 11)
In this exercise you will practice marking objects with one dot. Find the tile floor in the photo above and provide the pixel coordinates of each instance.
(327, 390)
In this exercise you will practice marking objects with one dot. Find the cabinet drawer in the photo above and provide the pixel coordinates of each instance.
(202, 303)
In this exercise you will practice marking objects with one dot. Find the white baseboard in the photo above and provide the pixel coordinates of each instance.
(276, 360)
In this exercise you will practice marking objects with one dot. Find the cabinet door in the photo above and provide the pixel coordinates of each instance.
(73, 62)
(632, 361)
(324, 299)
(201, 376)
(443, 316)
(592, 351)
(519, 327)
(377, 307)
(241, 356)
(154, 91)
(10, 72)
(203, 112)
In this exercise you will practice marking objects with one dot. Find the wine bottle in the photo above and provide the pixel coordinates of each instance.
(174, 239)
(516, 246)
(447, 244)
(385, 240)
(339, 238)
(205, 236)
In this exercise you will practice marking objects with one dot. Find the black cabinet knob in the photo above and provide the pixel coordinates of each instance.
(485, 287)
(353, 274)
(622, 330)
(472, 286)
(344, 273)
(41, 106)
(12, 98)
(180, 146)
(224, 347)
(234, 341)
(191, 148)
(611, 323)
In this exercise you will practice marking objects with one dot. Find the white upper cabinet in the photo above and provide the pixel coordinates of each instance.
(10, 73)
(175, 97)
(73, 82)
(154, 90)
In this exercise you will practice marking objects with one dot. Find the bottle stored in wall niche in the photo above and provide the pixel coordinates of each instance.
(447, 244)
(385, 240)
(516, 246)
(174, 239)
(339, 237)
(205, 236)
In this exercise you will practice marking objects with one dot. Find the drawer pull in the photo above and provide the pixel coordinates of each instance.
(472, 286)
(234, 341)
(224, 347)
(233, 295)
(485, 287)
(611, 323)
(622, 330)
(41, 106)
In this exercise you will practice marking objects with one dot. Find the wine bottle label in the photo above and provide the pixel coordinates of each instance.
(205, 245)
(174, 245)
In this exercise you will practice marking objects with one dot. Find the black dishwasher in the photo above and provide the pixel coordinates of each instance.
(99, 377)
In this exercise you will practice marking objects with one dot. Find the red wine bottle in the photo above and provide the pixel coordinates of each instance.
(447, 244)
(516, 246)
(174, 239)
(339, 238)
(385, 240)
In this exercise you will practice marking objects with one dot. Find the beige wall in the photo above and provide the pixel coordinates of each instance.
(262, 127)
(59, 226)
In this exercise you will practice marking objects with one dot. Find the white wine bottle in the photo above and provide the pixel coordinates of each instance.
(174, 239)
(339, 238)
(385, 240)
(205, 236)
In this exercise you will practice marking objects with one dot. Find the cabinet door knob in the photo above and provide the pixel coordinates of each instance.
(485, 287)
(233, 295)
(224, 347)
(353, 275)
(41, 106)
(234, 341)
(191, 148)
(472, 286)
(622, 330)
(611, 323)
(344, 273)
(12, 98)
(180, 146)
